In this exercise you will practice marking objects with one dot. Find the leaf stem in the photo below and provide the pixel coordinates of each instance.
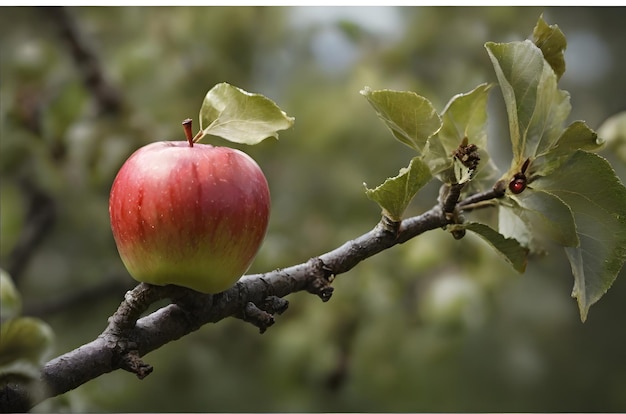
(199, 136)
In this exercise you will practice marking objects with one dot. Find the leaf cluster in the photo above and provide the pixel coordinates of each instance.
(567, 195)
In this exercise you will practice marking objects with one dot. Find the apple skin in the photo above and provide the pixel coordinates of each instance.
(192, 216)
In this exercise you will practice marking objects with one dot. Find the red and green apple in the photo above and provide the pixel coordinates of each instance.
(189, 214)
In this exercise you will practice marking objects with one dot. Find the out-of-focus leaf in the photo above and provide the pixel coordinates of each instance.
(551, 40)
(13, 213)
(411, 118)
(613, 131)
(536, 108)
(588, 185)
(465, 116)
(395, 194)
(10, 300)
(240, 116)
(510, 249)
(24, 338)
(19, 372)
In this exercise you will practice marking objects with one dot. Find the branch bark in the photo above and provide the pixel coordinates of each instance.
(255, 298)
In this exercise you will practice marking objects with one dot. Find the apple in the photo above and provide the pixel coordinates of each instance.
(189, 214)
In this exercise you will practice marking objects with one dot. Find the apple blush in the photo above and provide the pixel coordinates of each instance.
(189, 214)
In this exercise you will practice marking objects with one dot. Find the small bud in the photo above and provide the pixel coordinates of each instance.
(518, 184)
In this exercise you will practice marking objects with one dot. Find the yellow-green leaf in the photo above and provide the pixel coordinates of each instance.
(395, 194)
(411, 118)
(465, 116)
(239, 116)
(536, 108)
(551, 40)
(576, 136)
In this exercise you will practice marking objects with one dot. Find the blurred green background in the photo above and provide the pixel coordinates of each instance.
(432, 325)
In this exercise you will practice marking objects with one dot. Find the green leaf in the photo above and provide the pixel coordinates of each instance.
(395, 194)
(588, 185)
(510, 249)
(462, 173)
(547, 216)
(24, 338)
(576, 136)
(10, 300)
(536, 108)
(551, 40)
(511, 226)
(465, 116)
(241, 117)
(411, 118)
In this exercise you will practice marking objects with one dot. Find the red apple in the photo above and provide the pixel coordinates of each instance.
(188, 214)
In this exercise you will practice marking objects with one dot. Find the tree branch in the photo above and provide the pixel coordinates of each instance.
(107, 96)
(476, 200)
(40, 218)
(255, 298)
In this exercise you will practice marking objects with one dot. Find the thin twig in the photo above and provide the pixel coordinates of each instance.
(107, 96)
(497, 191)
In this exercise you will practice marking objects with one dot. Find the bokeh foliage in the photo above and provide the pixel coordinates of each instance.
(435, 324)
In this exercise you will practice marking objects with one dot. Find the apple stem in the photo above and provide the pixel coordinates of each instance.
(187, 128)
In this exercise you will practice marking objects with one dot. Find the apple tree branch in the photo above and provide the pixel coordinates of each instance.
(255, 299)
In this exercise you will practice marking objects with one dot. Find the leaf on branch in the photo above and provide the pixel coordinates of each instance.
(536, 108)
(510, 249)
(240, 116)
(462, 173)
(576, 136)
(395, 194)
(465, 116)
(411, 118)
(547, 215)
(587, 183)
(551, 40)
